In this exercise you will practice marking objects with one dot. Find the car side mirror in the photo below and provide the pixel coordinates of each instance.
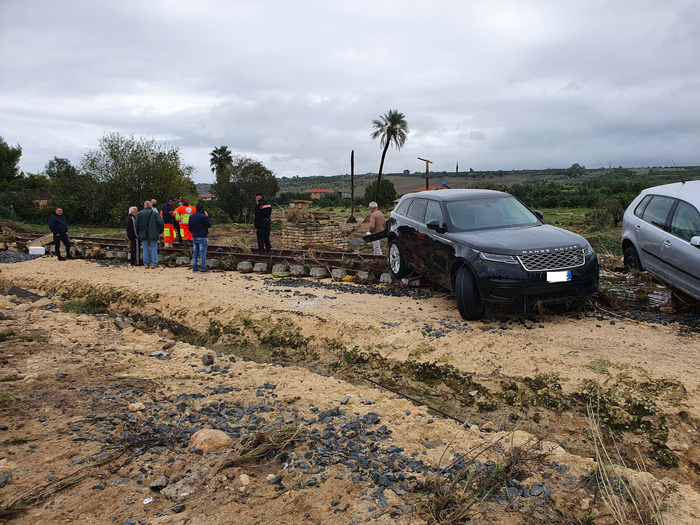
(695, 241)
(539, 214)
(434, 224)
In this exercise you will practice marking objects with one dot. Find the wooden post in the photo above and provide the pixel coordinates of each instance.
(427, 172)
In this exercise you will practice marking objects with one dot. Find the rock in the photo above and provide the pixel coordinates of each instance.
(260, 267)
(364, 277)
(244, 479)
(169, 345)
(208, 359)
(177, 509)
(386, 278)
(136, 407)
(4, 478)
(338, 273)
(298, 270)
(122, 325)
(245, 267)
(159, 484)
(209, 440)
(12, 314)
(488, 426)
(319, 272)
(186, 486)
(159, 354)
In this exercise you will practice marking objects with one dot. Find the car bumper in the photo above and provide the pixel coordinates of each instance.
(501, 283)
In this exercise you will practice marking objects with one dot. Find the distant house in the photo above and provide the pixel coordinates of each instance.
(40, 196)
(206, 197)
(443, 186)
(319, 194)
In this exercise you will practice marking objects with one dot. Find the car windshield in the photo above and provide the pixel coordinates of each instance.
(489, 213)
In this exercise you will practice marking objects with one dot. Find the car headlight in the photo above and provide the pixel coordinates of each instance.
(588, 250)
(496, 257)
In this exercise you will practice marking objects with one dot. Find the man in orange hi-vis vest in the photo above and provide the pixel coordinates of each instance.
(182, 213)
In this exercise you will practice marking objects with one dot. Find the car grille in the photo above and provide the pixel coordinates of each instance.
(544, 262)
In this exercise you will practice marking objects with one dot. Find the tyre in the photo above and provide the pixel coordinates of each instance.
(468, 297)
(631, 259)
(397, 263)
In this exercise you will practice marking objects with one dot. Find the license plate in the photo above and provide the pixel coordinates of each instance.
(559, 277)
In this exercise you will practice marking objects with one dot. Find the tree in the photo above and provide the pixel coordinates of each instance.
(391, 128)
(9, 165)
(247, 178)
(73, 191)
(129, 171)
(221, 163)
(385, 196)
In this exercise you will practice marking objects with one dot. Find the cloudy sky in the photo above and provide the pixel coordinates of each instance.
(488, 84)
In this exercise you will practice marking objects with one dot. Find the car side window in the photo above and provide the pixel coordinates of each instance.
(639, 210)
(403, 207)
(433, 211)
(417, 209)
(686, 221)
(657, 210)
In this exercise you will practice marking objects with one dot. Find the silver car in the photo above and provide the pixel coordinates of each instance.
(661, 234)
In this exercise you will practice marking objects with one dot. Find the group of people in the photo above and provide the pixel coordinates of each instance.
(146, 226)
(184, 222)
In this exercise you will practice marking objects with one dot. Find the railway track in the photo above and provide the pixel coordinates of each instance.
(328, 259)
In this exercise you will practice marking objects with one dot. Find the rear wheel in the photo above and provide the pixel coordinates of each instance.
(631, 259)
(468, 297)
(397, 264)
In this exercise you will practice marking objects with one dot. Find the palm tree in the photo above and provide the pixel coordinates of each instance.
(221, 163)
(391, 128)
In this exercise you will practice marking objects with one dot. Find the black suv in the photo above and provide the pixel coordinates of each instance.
(489, 248)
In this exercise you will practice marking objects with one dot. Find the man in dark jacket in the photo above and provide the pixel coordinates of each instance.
(59, 227)
(133, 236)
(168, 214)
(263, 210)
(149, 225)
(199, 228)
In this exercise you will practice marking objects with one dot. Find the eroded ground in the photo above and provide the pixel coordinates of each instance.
(76, 438)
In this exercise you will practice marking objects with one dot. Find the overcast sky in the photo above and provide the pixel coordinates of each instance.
(296, 84)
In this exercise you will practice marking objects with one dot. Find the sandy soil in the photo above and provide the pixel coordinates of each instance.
(654, 359)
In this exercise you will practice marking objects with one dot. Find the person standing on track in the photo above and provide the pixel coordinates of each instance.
(263, 211)
(377, 223)
(133, 235)
(59, 227)
(199, 228)
(149, 225)
(182, 214)
(168, 214)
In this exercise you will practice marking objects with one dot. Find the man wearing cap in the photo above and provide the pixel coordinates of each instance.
(169, 220)
(377, 224)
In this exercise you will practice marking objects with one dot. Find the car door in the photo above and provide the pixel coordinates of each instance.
(438, 251)
(650, 232)
(412, 234)
(681, 259)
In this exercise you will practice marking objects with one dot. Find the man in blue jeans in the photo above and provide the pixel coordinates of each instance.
(149, 224)
(199, 228)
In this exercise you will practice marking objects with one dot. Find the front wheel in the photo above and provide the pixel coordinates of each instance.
(468, 297)
(397, 264)
(631, 259)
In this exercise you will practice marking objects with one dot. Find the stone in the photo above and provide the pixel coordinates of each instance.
(159, 484)
(212, 264)
(386, 278)
(209, 440)
(169, 345)
(245, 267)
(122, 325)
(318, 272)
(260, 267)
(298, 270)
(338, 273)
(12, 314)
(187, 486)
(183, 261)
(136, 407)
(244, 479)
(363, 277)
(208, 359)
(4, 478)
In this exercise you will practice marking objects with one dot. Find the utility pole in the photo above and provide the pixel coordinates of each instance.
(427, 172)
(352, 219)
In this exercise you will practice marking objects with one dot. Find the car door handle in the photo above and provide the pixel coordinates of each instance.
(667, 243)
(637, 227)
